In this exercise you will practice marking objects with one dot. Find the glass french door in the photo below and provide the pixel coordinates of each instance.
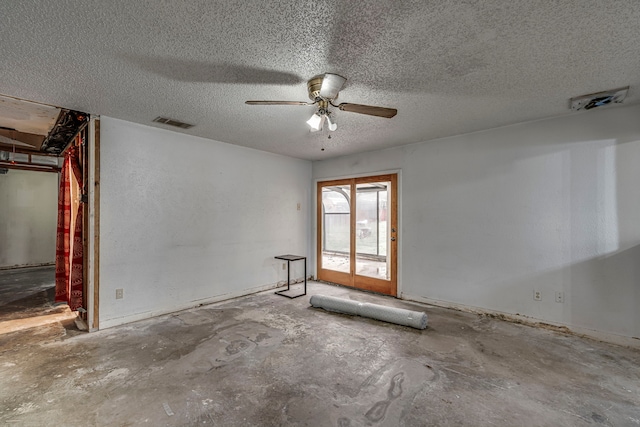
(357, 232)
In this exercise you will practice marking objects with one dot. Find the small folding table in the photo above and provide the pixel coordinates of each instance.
(290, 258)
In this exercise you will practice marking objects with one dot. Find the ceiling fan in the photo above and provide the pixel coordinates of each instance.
(323, 91)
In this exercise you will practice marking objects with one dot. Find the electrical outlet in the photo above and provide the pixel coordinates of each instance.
(119, 293)
(284, 265)
(560, 297)
(537, 296)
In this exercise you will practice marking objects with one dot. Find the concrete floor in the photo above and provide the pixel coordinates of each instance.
(265, 360)
(27, 299)
(25, 292)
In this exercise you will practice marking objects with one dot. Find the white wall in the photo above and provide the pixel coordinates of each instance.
(186, 220)
(553, 205)
(28, 214)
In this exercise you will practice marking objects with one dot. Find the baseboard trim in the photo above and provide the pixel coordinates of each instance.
(16, 267)
(117, 321)
(607, 337)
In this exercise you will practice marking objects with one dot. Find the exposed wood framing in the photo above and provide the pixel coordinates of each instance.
(28, 166)
(85, 223)
(96, 227)
(22, 150)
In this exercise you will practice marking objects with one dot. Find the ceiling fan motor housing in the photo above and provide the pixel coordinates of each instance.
(314, 85)
(323, 89)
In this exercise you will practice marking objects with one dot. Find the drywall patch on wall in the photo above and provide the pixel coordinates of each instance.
(551, 206)
(28, 218)
(184, 219)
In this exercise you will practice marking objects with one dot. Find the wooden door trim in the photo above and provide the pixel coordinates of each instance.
(94, 190)
(394, 225)
(372, 283)
(323, 273)
(349, 279)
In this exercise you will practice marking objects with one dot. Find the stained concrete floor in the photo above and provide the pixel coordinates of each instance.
(27, 298)
(26, 292)
(264, 360)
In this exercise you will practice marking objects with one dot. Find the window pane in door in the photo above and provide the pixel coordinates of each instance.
(336, 238)
(372, 200)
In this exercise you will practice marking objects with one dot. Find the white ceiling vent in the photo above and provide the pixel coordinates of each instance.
(172, 122)
(600, 99)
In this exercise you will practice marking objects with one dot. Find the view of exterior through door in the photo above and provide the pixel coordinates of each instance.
(357, 224)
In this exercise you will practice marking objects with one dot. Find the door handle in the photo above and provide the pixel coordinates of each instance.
(393, 239)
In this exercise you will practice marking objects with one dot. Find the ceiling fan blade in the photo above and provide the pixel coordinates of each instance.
(368, 109)
(278, 103)
(331, 85)
(206, 72)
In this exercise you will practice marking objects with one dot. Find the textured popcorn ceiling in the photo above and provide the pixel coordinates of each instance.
(449, 67)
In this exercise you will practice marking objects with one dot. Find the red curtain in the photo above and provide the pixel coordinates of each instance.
(69, 265)
(76, 279)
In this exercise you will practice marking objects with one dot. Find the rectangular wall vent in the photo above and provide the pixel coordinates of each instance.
(172, 122)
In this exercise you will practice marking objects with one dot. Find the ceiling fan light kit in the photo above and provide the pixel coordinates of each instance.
(323, 90)
(332, 125)
(315, 122)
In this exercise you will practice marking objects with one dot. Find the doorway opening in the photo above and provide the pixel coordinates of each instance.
(27, 256)
(35, 141)
(357, 232)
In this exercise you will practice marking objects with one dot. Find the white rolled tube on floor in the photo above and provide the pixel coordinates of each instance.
(399, 316)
